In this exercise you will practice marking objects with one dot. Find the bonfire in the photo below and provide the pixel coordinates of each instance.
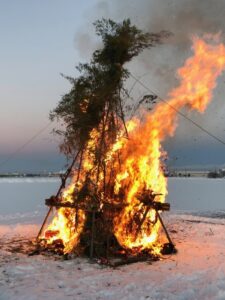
(117, 191)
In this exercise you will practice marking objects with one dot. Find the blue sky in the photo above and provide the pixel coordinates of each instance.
(41, 39)
(37, 44)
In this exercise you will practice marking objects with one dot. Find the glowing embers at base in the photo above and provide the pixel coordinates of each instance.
(65, 229)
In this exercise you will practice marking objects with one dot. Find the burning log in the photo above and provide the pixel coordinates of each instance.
(57, 202)
(147, 197)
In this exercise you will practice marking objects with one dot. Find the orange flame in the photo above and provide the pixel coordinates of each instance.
(141, 155)
(140, 165)
(67, 224)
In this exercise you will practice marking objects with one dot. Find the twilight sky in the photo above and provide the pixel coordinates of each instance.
(42, 38)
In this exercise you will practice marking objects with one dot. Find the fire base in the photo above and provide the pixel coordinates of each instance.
(97, 240)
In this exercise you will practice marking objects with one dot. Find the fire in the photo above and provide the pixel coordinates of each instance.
(142, 154)
(67, 224)
(138, 173)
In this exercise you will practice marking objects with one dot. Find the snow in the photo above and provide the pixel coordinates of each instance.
(197, 271)
(22, 180)
(196, 194)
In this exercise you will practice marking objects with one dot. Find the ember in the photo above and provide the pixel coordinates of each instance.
(117, 192)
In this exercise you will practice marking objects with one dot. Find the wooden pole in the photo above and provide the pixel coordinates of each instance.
(164, 228)
(142, 221)
(64, 178)
(92, 234)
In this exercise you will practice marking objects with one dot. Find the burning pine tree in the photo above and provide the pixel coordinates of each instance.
(118, 184)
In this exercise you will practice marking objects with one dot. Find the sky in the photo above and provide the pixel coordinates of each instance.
(41, 39)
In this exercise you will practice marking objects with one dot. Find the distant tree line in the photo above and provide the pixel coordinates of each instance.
(216, 174)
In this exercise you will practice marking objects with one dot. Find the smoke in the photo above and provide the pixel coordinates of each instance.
(85, 40)
(157, 67)
(184, 18)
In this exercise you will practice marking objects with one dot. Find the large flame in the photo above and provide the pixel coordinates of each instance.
(142, 153)
(140, 166)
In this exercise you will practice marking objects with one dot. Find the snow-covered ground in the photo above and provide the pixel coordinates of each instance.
(197, 271)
